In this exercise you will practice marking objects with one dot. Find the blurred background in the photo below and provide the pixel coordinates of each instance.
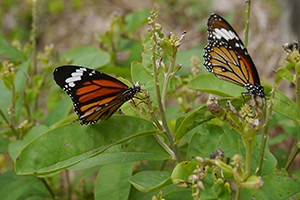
(72, 23)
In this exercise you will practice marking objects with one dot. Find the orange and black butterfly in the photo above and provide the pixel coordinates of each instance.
(95, 95)
(226, 56)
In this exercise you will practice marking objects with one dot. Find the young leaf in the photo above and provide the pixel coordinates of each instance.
(181, 173)
(195, 118)
(135, 19)
(149, 181)
(9, 51)
(285, 106)
(285, 74)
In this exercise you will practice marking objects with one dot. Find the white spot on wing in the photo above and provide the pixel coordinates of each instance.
(75, 76)
(227, 35)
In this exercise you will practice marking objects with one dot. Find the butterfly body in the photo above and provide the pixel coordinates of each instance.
(95, 95)
(226, 56)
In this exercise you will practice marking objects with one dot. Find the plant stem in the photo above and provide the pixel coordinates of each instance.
(265, 134)
(7, 122)
(297, 91)
(294, 154)
(32, 67)
(248, 145)
(167, 79)
(158, 125)
(12, 123)
(238, 191)
(247, 23)
(48, 188)
(69, 185)
(159, 101)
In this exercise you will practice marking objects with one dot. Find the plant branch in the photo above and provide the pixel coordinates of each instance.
(238, 191)
(265, 134)
(48, 188)
(168, 75)
(292, 158)
(249, 149)
(247, 23)
(159, 100)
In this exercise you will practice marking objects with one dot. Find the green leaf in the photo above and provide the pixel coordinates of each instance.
(149, 181)
(195, 118)
(229, 141)
(112, 182)
(137, 149)
(278, 139)
(209, 83)
(35, 132)
(70, 144)
(277, 186)
(60, 112)
(214, 189)
(90, 57)
(184, 58)
(4, 142)
(140, 73)
(285, 106)
(133, 48)
(6, 96)
(135, 19)
(14, 189)
(285, 74)
(11, 52)
(9, 179)
(15, 147)
(297, 68)
(207, 141)
(181, 173)
(137, 195)
(179, 195)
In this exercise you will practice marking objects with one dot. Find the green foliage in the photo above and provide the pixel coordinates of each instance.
(165, 145)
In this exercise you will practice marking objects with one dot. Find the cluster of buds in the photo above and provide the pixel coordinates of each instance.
(8, 73)
(196, 178)
(246, 122)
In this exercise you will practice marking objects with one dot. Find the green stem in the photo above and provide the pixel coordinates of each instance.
(297, 91)
(248, 145)
(292, 158)
(12, 123)
(238, 191)
(265, 134)
(69, 185)
(168, 75)
(247, 23)
(159, 101)
(33, 38)
(48, 188)
(7, 122)
(32, 68)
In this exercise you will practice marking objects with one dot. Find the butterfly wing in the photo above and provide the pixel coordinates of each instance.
(95, 95)
(226, 56)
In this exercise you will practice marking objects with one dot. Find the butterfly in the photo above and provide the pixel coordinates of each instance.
(226, 56)
(95, 95)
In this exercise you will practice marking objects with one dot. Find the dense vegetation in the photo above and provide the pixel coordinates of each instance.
(174, 142)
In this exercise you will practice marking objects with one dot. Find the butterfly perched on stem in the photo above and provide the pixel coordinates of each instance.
(95, 95)
(226, 56)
